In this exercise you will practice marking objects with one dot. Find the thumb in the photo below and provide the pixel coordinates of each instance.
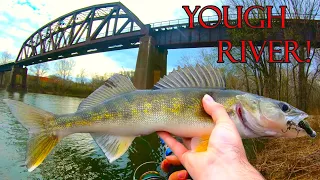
(215, 110)
(225, 131)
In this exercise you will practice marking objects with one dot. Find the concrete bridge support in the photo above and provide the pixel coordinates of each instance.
(2, 83)
(18, 80)
(151, 63)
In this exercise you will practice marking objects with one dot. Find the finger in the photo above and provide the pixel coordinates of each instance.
(177, 148)
(216, 111)
(179, 175)
(225, 131)
(165, 165)
(170, 160)
(173, 160)
(187, 142)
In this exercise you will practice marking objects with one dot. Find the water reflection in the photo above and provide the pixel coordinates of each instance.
(76, 156)
(19, 96)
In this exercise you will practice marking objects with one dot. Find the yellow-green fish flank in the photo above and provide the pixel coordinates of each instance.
(117, 112)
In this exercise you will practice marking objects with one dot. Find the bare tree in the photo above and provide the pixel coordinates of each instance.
(6, 57)
(301, 15)
(130, 73)
(81, 77)
(39, 70)
(64, 68)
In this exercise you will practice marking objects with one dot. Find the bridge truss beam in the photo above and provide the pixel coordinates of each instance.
(98, 28)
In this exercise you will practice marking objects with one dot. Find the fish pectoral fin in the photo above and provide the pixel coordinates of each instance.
(200, 144)
(113, 146)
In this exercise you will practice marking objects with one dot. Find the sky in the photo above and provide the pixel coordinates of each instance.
(20, 18)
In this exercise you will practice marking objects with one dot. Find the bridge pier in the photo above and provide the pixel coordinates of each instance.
(2, 81)
(151, 63)
(18, 81)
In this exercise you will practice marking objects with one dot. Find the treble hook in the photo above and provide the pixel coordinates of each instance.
(289, 125)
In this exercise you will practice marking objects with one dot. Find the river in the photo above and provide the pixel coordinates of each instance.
(76, 156)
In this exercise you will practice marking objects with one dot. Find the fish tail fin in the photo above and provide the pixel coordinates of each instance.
(40, 125)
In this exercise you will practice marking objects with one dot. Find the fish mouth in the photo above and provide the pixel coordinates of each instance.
(301, 126)
(239, 112)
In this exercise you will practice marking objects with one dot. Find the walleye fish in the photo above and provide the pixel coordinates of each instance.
(117, 112)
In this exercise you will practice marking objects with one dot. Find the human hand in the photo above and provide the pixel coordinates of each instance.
(171, 164)
(225, 157)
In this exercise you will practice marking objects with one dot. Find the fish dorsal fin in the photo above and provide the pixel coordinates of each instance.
(198, 76)
(115, 85)
(112, 146)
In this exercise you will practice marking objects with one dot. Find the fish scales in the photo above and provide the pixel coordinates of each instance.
(158, 109)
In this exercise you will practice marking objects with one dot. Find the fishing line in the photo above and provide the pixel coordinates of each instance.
(146, 142)
(149, 162)
(152, 151)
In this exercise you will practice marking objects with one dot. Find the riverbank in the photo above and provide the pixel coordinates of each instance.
(54, 85)
(59, 93)
(57, 86)
(297, 158)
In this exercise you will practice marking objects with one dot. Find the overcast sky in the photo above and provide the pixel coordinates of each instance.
(20, 18)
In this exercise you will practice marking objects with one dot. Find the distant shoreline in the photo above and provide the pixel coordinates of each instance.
(58, 93)
(52, 93)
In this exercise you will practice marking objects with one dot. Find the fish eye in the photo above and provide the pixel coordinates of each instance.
(284, 107)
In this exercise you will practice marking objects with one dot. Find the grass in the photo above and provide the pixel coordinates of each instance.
(296, 158)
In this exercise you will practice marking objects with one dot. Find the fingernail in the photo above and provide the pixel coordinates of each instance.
(170, 157)
(208, 98)
(182, 175)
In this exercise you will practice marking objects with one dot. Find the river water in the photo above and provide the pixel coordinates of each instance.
(76, 156)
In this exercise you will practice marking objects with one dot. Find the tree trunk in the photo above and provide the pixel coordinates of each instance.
(262, 83)
(302, 84)
(280, 81)
(295, 89)
(287, 95)
(256, 78)
(271, 81)
(246, 76)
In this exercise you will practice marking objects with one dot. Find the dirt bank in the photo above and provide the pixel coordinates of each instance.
(297, 158)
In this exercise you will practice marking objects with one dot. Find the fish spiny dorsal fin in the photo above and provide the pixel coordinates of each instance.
(198, 76)
(115, 85)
